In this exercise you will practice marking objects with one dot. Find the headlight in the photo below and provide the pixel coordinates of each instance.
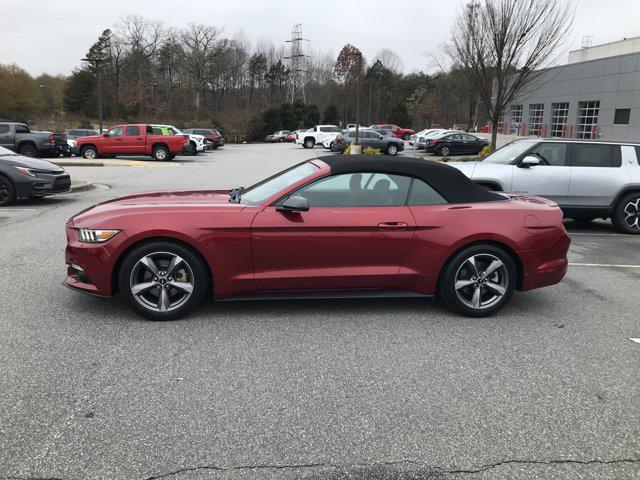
(95, 236)
(26, 171)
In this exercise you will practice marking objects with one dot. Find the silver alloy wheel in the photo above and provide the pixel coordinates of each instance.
(481, 281)
(632, 214)
(393, 150)
(161, 281)
(89, 154)
(445, 151)
(161, 154)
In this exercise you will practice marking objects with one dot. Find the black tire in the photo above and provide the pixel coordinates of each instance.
(29, 150)
(171, 156)
(626, 217)
(392, 149)
(161, 153)
(281, 140)
(194, 273)
(444, 151)
(7, 191)
(458, 268)
(309, 142)
(406, 136)
(194, 149)
(215, 146)
(89, 152)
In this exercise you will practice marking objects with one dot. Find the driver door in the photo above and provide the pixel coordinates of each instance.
(113, 142)
(354, 236)
(551, 178)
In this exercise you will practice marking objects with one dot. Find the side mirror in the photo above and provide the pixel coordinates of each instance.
(296, 203)
(529, 161)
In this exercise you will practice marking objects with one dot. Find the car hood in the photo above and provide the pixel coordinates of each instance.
(155, 201)
(29, 162)
(91, 138)
(465, 167)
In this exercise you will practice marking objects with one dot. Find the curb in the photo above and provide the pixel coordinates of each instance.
(78, 163)
(80, 185)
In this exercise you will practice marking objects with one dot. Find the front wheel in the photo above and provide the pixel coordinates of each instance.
(478, 281)
(392, 150)
(444, 151)
(626, 217)
(89, 153)
(7, 192)
(163, 280)
(309, 143)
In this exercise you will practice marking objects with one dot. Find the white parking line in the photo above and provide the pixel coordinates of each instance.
(637, 340)
(604, 265)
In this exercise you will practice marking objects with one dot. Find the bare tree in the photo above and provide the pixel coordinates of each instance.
(390, 59)
(503, 45)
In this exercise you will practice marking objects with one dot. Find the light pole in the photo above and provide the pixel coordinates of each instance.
(98, 63)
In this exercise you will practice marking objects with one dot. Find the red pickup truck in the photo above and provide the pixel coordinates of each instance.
(137, 139)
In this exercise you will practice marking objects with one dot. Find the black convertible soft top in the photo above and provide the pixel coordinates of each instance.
(448, 181)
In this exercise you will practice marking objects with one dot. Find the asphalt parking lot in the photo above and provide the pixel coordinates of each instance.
(347, 389)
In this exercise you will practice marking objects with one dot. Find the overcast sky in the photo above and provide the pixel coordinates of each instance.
(52, 35)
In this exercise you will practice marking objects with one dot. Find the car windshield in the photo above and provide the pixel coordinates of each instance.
(5, 151)
(261, 191)
(509, 152)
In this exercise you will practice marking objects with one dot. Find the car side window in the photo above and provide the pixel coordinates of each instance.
(638, 155)
(452, 137)
(132, 131)
(115, 132)
(4, 129)
(469, 138)
(423, 194)
(551, 154)
(591, 155)
(357, 190)
(22, 129)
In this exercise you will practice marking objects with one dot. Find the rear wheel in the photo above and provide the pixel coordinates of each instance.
(163, 280)
(7, 192)
(90, 153)
(309, 143)
(28, 150)
(478, 281)
(281, 140)
(626, 217)
(161, 153)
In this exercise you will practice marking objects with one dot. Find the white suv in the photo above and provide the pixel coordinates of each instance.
(588, 179)
(316, 135)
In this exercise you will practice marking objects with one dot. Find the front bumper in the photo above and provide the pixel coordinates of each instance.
(90, 266)
(42, 185)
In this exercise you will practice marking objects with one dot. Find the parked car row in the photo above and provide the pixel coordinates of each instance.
(28, 143)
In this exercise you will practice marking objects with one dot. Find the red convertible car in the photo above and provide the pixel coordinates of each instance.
(331, 226)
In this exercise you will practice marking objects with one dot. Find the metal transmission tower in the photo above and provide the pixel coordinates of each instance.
(296, 66)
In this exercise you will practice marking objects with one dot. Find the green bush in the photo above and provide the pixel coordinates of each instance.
(486, 151)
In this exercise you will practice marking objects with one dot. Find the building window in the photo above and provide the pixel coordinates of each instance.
(516, 118)
(588, 118)
(621, 116)
(536, 113)
(559, 116)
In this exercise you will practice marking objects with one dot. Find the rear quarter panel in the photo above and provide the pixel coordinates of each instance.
(442, 230)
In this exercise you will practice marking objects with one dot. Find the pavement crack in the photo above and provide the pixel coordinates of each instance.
(451, 471)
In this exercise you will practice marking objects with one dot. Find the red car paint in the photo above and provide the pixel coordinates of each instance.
(397, 131)
(253, 249)
(135, 139)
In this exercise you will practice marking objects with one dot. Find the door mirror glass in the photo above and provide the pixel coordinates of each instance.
(295, 203)
(529, 161)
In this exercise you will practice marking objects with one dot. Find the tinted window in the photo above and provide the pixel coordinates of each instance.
(423, 194)
(638, 155)
(326, 129)
(452, 137)
(552, 154)
(22, 129)
(469, 138)
(616, 156)
(591, 155)
(357, 190)
(157, 131)
(133, 130)
(4, 128)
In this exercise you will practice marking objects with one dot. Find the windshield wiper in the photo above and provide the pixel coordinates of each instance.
(235, 194)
